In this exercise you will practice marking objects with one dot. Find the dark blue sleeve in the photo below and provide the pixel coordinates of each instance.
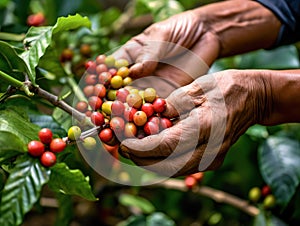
(288, 12)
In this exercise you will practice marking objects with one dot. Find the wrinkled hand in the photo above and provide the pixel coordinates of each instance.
(177, 49)
(214, 111)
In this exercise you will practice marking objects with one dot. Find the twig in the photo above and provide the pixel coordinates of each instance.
(60, 103)
(216, 195)
(49, 202)
(10, 91)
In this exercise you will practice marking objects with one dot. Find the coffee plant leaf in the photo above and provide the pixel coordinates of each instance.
(22, 190)
(11, 145)
(279, 159)
(70, 182)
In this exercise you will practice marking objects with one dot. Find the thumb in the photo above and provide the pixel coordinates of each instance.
(179, 102)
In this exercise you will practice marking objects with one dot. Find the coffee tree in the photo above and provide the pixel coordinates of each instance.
(63, 95)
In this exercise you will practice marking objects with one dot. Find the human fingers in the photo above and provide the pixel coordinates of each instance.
(142, 52)
(175, 140)
(183, 100)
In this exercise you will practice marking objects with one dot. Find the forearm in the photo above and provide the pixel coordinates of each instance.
(284, 96)
(240, 25)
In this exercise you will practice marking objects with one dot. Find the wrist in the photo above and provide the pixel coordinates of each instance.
(240, 26)
(284, 95)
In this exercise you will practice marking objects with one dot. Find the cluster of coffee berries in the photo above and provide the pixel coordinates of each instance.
(46, 147)
(117, 108)
(193, 179)
(263, 195)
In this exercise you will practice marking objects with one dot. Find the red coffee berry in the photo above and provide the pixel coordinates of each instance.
(106, 135)
(112, 71)
(159, 105)
(57, 145)
(48, 159)
(66, 55)
(90, 66)
(148, 109)
(37, 19)
(90, 79)
(82, 106)
(101, 68)
(88, 90)
(45, 135)
(266, 190)
(117, 108)
(155, 119)
(122, 94)
(88, 113)
(165, 123)
(99, 90)
(35, 148)
(95, 102)
(151, 128)
(117, 124)
(104, 78)
(97, 118)
(129, 113)
(190, 182)
(100, 59)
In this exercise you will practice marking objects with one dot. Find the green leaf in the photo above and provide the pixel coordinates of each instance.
(11, 63)
(162, 9)
(46, 121)
(258, 132)
(70, 23)
(134, 220)
(13, 60)
(11, 145)
(3, 179)
(279, 159)
(284, 57)
(4, 3)
(37, 40)
(22, 190)
(49, 63)
(13, 122)
(159, 219)
(70, 182)
(109, 16)
(266, 219)
(62, 118)
(65, 210)
(138, 202)
(171, 8)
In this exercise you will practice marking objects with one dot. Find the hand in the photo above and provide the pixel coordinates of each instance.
(214, 111)
(178, 49)
(181, 48)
